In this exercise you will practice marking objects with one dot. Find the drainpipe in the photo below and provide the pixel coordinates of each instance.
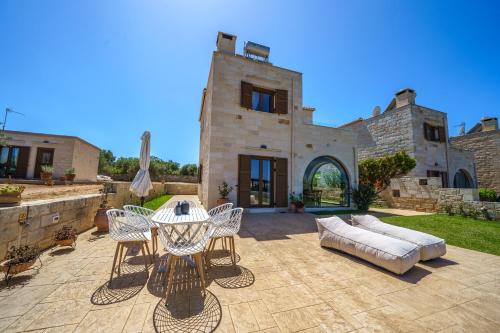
(291, 138)
(445, 125)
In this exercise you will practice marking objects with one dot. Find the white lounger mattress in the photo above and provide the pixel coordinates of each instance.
(392, 254)
(430, 246)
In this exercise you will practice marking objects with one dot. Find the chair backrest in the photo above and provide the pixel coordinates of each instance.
(141, 211)
(173, 203)
(126, 226)
(229, 223)
(219, 209)
(184, 239)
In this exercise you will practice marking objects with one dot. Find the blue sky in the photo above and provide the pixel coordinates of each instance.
(108, 70)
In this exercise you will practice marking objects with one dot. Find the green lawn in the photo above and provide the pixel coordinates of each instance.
(156, 203)
(460, 231)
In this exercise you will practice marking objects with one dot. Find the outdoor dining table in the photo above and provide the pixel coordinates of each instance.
(167, 216)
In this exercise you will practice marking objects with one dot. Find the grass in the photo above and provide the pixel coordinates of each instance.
(337, 212)
(479, 235)
(157, 202)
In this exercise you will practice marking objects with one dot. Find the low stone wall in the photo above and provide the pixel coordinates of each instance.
(44, 217)
(412, 194)
(466, 202)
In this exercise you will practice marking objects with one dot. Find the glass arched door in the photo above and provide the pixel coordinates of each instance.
(326, 184)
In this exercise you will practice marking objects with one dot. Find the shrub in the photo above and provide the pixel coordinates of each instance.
(66, 232)
(487, 194)
(448, 209)
(224, 190)
(364, 196)
(486, 214)
(21, 254)
(70, 171)
(474, 212)
(47, 168)
(461, 209)
(11, 189)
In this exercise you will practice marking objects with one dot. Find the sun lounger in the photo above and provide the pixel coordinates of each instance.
(430, 246)
(392, 254)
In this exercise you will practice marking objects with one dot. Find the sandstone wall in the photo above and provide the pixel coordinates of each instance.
(486, 149)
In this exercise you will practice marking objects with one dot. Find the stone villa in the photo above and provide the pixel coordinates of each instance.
(423, 133)
(26, 152)
(484, 141)
(258, 137)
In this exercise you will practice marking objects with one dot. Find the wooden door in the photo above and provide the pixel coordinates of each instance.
(44, 156)
(22, 162)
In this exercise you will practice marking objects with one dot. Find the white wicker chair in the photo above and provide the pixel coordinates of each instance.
(146, 213)
(185, 239)
(215, 214)
(226, 225)
(127, 228)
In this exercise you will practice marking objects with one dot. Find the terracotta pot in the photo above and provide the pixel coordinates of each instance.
(222, 201)
(299, 209)
(10, 199)
(65, 242)
(101, 219)
(45, 176)
(292, 207)
(16, 269)
(70, 176)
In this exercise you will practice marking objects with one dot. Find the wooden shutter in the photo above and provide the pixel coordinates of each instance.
(22, 162)
(246, 94)
(244, 181)
(444, 179)
(282, 101)
(442, 134)
(281, 188)
(426, 131)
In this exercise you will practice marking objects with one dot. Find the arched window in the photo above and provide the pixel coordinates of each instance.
(462, 179)
(326, 183)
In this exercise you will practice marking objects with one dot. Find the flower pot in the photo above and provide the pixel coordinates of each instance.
(70, 177)
(17, 268)
(66, 242)
(222, 201)
(10, 199)
(293, 208)
(101, 219)
(46, 176)
(299, 209)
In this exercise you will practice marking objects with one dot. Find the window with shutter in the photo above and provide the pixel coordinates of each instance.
(281, 166)
(244, 181)
(442, 134)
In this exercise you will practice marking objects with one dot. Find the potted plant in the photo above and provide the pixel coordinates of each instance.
(224, 190)
(70, 174)
(296, 203)
(66, 236)
(101, 219)
(10, 195)
(19, 259)
(46, 172)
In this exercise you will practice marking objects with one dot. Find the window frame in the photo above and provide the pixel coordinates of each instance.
(272, 99)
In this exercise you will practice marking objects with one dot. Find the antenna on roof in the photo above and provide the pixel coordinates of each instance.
(7, 111)
(461, 128)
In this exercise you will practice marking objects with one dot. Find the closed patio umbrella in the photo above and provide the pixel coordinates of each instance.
(141, 185)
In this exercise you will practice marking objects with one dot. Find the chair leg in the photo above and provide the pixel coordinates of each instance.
(199, 268)
(170, 276)
(149, 253)
(114, 262)
(233, 250)
(144, 255)
(120, 259)
(210, 252)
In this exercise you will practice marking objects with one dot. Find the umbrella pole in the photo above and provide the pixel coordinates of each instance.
(142, 201)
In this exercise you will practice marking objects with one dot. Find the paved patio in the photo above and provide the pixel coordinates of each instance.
(283, 282)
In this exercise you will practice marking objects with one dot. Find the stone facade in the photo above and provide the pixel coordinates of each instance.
(69, 152)
(485, 146)
(401, 127)
(228, 130)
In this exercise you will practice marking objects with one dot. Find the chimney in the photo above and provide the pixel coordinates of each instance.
(489, 123)
(376, 111)
(226, 43)
(404, 97)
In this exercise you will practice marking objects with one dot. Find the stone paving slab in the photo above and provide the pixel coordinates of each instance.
(283, 282)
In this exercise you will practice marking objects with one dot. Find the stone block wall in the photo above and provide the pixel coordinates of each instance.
(467, 200)
(412, 194)
(486, 149)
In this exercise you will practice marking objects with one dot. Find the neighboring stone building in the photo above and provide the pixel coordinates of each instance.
(484, 141)
(420, 131)
(26, 152)
(257, 136)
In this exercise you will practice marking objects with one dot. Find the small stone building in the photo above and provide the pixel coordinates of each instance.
(257, 136)
(25, 153)
(483, 140)
(420, 131)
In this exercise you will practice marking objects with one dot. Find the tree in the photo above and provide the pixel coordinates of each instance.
(189, 170)
(106, 161)
(379, 171)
